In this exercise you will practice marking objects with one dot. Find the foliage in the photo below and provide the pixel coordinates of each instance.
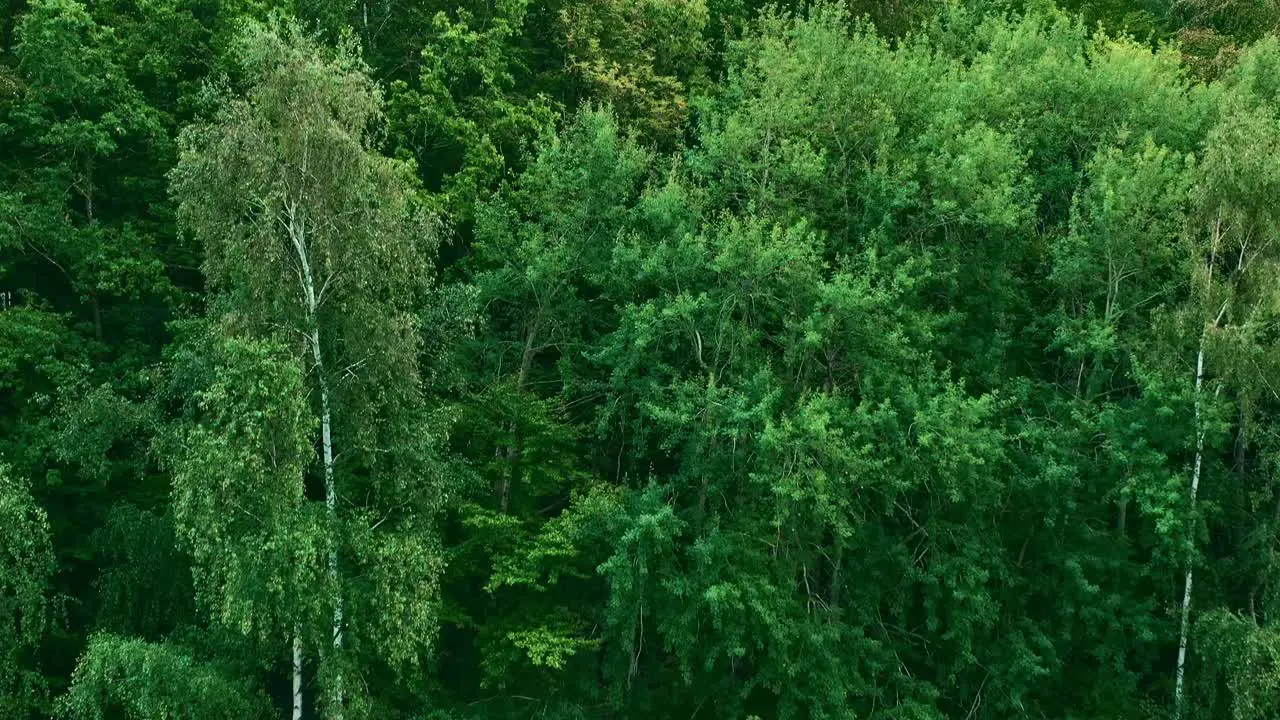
(130, 678)
(26, 562)
(629, 358)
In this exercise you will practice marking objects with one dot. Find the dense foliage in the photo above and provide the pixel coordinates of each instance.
(639, 358)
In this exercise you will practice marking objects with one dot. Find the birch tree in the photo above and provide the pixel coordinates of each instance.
(310, 234)
(1236, 297)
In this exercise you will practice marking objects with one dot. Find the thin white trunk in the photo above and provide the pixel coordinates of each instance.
(297, 676)
(331, 503)
(330, 491)
(297, 233)
(1186, 588)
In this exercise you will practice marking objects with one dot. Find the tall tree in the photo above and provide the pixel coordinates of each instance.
(1236, 294)
(311, 235)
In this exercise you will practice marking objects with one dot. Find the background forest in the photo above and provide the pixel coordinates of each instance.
(639, 359)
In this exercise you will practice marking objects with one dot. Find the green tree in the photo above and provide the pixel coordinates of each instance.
(133, 679)
(1235, 293)
(311, 236)
(639, 55)
(26, 564)
(475, 108)
(80, 111)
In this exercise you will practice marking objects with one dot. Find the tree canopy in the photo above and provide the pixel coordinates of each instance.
(639, 358)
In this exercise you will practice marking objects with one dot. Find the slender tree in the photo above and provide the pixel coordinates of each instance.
(1236, 294)
(310, 233)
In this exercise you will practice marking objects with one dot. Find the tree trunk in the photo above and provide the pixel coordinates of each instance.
(331, 504)
(297, 675)
(94, 305)
(512, 451)
(330, 490)
(1195, 487)
(88, 189)
(297, 233)
(834, 593)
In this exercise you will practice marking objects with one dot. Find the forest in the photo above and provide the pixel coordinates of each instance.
(653, 359)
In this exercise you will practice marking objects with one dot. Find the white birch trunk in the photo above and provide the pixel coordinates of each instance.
(297, 233)
(1186, 588)
(331, 503)
(297, 676)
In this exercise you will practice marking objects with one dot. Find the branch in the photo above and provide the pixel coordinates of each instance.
(324, 287)
(349, 371)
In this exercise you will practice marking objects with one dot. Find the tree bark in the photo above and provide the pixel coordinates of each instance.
(297, 233)
(94, 304)
(297, 675)
(330, 489)
(836, 564)
(512, 451)
(96, 308)
(1178, 693)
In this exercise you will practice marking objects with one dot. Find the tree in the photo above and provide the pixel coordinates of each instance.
(1235, 291)
(475, 109)
(26, 564)
(641, 56)
(128, 678)
(80, 107)
(312, 236)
